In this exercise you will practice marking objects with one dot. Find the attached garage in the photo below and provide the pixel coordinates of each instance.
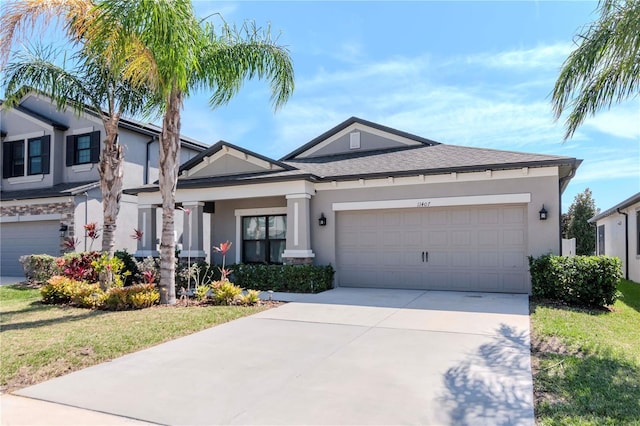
(20, 238)
(466, 248)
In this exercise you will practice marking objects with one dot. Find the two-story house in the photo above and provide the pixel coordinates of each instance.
(50, 183)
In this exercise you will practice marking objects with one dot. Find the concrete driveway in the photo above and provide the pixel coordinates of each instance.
(346, 356)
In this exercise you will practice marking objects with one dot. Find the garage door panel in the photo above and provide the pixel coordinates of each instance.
(469, 248)
(24, 238)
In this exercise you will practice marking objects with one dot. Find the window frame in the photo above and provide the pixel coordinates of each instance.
(601, 235)
(73, 153)
(41, 156)
(268, 240)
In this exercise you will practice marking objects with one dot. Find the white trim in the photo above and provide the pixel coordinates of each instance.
(192, 203)
(81, 131)
(238, 238)
(31, 218)
(16, 138)
(226, 150)
(440, 178)
(267, 211)
(470, 200)
(298, 253)
(192, 253)
(358, 127)
(79, 168)
(26, 179)
(297, 196)
(295, 224)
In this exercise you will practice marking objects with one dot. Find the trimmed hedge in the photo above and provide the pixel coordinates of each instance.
(39, 267)
(289, 278)
(577, 280)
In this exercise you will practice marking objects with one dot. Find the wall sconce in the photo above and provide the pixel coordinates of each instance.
(322, 221)
(543, 213)
(63, 230)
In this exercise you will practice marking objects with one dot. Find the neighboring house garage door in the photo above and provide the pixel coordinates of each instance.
(18, 239)
(469, 248)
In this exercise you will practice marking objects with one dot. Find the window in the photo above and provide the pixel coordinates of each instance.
(83, 149)
(601, 240)
(263, 238)
(12, 159)
(38, 156)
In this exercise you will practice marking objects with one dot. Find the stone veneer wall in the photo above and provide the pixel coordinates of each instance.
(65, 209)
(297, 260)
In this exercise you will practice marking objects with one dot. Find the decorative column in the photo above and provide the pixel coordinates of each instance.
(147, 224)
(298, 250)
(192, 237)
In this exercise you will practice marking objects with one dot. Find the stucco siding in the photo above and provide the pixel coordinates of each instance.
(542, 235)
(615, 241)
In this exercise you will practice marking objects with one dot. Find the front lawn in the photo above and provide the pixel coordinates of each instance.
(587, 362)
(40, 341)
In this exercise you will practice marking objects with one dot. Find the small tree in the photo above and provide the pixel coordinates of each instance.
(582, 209)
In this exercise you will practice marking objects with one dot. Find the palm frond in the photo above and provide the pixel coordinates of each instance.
(604, 68)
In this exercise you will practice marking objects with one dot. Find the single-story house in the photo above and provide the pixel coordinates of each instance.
(618, 234)
(386, 208)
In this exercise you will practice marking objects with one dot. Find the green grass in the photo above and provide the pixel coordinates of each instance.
(40, 341)
(587, 362)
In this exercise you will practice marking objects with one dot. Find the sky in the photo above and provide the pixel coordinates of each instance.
(473, 73)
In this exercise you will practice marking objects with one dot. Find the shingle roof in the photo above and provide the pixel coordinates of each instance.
(623, 204)
(60, 190)
(438, 158)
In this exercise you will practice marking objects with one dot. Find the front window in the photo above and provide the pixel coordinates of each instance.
(83, 150)
(601, 240)
(35, 157)
(263, 238)
(13, 153)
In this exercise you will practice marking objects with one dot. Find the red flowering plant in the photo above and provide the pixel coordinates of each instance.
(223, 248)
(137, 234)
(92, 231)
(71, 243)
(149, 277)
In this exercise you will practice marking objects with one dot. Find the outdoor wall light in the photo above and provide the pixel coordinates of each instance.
(543, 213)
(322, 221)
(63, 230)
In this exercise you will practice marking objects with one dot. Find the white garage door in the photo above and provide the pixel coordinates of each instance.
(455, 248)
(18, 239)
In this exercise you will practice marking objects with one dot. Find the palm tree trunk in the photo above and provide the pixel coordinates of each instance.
(168, 180)
(111, 170)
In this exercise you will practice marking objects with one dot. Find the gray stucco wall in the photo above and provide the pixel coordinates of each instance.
(543, 236)
(368, 142)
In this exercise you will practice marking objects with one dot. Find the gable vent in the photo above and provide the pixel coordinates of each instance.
(354, 140)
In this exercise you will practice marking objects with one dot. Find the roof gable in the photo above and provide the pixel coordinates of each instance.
(357, 135)
(225, 159)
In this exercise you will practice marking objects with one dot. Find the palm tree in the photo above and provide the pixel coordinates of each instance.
(604, 68)
(88, 85)
(176, 56)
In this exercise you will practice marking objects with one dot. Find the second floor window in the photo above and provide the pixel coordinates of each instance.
(35, 150)
(83, 149)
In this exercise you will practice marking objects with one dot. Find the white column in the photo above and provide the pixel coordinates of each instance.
(298, 227)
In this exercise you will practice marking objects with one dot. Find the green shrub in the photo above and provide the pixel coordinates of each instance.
(225, 292)
(57, 290)
(250, 298)
(578, 280)
(202, 292)
(39, 267)
(130, 272)
(289, 278)
(133, 297)
(86, 295)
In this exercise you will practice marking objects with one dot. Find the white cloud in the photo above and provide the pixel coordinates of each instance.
(546, 56)
(622, 121)
(607, 169)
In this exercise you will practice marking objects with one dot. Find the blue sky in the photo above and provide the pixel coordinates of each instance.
(462, 73)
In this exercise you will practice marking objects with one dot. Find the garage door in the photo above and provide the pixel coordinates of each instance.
(454, 248)
(18, 239)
